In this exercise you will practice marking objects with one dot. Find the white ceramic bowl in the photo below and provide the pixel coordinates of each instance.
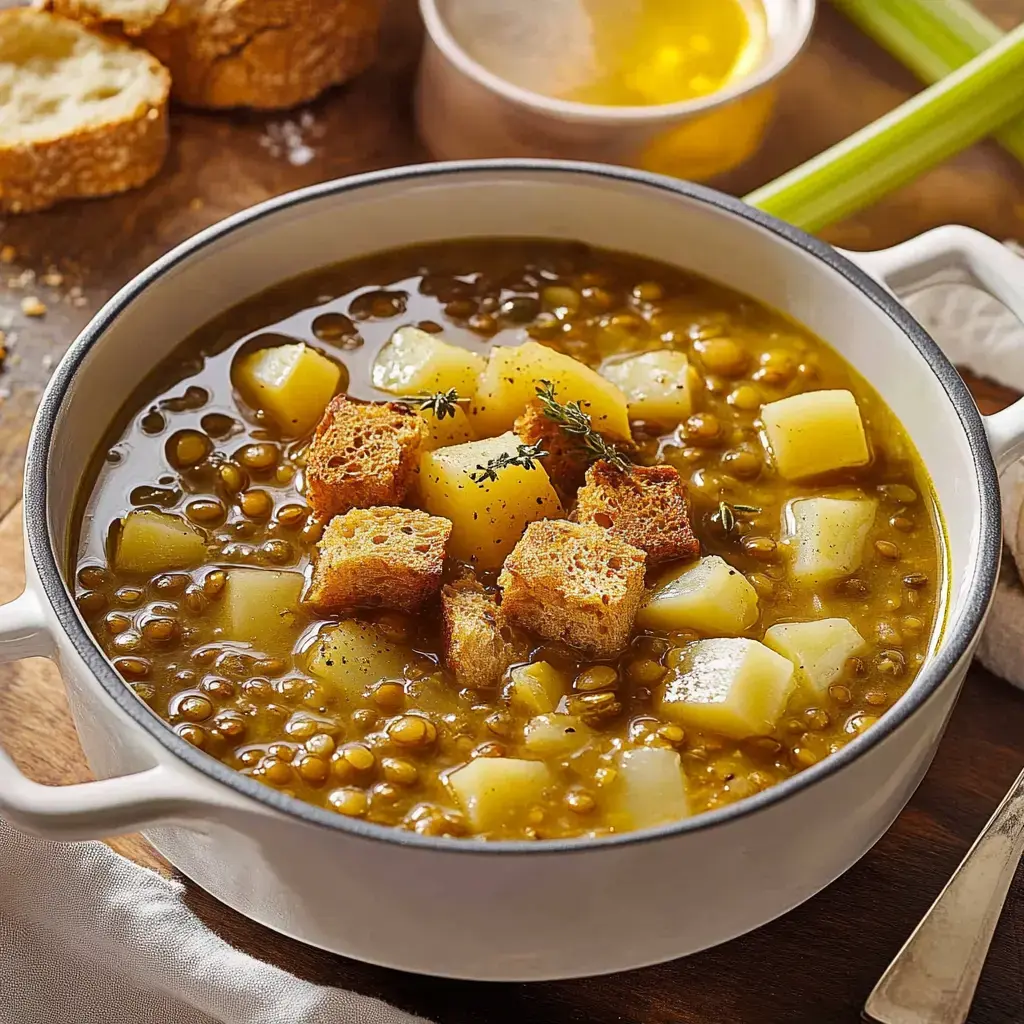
(506, 910)
(465, 111)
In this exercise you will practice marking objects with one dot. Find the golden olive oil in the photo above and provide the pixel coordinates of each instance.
(652, 52)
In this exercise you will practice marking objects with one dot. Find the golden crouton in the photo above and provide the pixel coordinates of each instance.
(378, 558)
(574, 582)
(362, 454)
(566, 462)
(645, 507)
(475, 649)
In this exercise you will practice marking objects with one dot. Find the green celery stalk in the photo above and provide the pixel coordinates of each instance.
(932, 38)
(967, 105)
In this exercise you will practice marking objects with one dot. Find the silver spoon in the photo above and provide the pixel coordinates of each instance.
(934, 976)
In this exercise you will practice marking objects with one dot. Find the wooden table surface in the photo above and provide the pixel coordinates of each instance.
(817, 964)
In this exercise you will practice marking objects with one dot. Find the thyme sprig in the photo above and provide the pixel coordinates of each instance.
(571, 418)
(441, 403)
(526, 456)
(727, 514)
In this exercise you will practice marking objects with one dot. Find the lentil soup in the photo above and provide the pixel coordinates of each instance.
(465, 712)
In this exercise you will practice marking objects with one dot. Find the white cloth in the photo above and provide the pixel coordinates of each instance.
(980, 333)
(88, 937)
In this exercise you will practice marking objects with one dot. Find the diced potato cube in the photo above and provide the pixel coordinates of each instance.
(513, 375)
(649, 789)
(444, 433)
(353, 656)
(709, 596)
(153, 542)
(534, 689)
(489, 517)
(815, 432)
(819, 650)
(826, 536)
(414, 362)
(734, 687)
(496, 793)
(291, 383)
(556, 735)
(657, 385)
(263, 607)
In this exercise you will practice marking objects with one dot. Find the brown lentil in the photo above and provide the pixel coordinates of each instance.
(599, 677)
(412, 731)
(256, 504)
(349, 801)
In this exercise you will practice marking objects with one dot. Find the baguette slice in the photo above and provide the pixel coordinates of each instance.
(80, 114)
(264, 54)
(128, 16)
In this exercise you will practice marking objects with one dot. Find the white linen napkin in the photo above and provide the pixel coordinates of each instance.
(978, 332)
(88, 937)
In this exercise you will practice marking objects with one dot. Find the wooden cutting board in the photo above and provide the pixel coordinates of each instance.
(817, 964)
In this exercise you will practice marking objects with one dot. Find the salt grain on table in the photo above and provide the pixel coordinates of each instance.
(288, 139)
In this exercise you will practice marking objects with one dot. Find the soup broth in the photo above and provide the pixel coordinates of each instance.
(610, 742)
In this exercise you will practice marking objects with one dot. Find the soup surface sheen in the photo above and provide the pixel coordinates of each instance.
(385, 748)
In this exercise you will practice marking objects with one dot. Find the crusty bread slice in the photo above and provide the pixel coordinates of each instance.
(80, 114)
(266, 54)
(130, 16)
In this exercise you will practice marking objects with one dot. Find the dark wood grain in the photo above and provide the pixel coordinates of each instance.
(815, 965)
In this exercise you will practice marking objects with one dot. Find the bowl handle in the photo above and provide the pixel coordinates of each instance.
(86, 810)
(998, 270)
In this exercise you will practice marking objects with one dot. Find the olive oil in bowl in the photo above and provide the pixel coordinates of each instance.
(653, 52)
(681, 87)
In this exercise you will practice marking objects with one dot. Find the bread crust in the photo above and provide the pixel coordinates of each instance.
(96, 13)
(95, 160)
(263, 54)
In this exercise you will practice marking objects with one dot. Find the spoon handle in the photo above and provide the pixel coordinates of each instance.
(933, 978)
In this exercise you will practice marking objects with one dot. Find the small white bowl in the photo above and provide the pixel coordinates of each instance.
(466, 112)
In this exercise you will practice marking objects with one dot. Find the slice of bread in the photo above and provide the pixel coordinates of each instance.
(265, 54)
(130, 16)
(80, 114)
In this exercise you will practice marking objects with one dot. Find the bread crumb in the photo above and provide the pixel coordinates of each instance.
(196, 204)
(646, 507)
(53, 278)
(31, 306)
(8, 254)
